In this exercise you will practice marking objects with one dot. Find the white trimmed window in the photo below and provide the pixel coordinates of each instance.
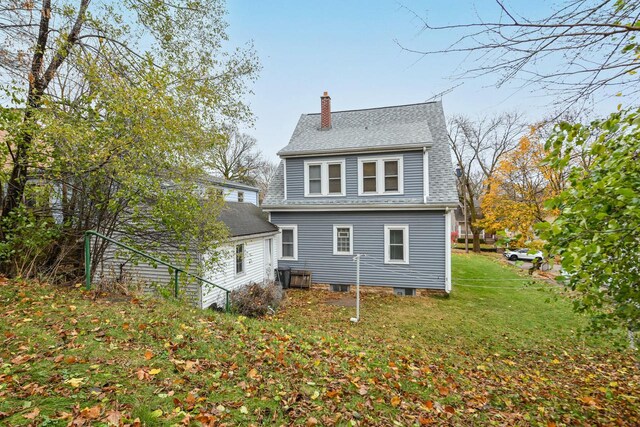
(240, 258)
(241, 196)
(343, 240)
(382, 175)
(289, 249)
(396, 244)
(324, 178)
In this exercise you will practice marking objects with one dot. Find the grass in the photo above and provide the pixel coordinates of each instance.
(494, 352)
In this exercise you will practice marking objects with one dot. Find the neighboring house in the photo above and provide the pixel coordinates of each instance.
(460, 228)
(377, 182)
(234, 191)
(247, 256)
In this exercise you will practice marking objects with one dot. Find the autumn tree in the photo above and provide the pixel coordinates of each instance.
(596, 233)
(519, 188)
(114, 108)
(478, 146)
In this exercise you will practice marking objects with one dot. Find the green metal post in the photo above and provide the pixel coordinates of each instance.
(176, 272)
(226, 305)
(87, 261)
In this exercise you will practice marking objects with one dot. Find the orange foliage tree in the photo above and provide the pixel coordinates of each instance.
(518, 189)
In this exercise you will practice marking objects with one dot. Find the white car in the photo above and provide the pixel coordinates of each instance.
(523, 255)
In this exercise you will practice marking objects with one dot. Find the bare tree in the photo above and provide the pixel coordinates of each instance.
(579, 48)
(478, 146)
(239, 159)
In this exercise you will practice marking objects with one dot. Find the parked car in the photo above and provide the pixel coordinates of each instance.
(523, 255)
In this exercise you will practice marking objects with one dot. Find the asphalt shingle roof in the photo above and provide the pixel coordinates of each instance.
(243, 219)
(398, 126)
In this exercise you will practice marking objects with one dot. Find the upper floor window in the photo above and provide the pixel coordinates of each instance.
(380, 176)
(324, 178)
(241, 196)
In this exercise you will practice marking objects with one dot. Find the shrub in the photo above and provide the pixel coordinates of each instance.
(256, 299)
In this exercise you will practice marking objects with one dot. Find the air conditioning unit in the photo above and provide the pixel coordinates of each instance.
(339, 288)
(405, 292)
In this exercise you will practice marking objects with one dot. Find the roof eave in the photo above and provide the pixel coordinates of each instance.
(356, 150)
(351, 207)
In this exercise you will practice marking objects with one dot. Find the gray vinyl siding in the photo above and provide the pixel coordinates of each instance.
(413, 176)
(427, 247)
(118, 265)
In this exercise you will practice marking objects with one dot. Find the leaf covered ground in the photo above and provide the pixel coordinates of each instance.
(498, 351)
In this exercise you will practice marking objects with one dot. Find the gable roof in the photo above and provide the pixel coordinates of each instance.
(396, 128)
(244, 219)
(400, 126)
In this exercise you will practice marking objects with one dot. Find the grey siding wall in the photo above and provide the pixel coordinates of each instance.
(413, 176)
(427, 246)
(118, 264)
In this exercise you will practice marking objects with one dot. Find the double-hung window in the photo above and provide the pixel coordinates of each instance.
(241, 196)
(343, 240)
(379, 176)
(289, 242)
(240, 258)
(396, 244)
(324, 178)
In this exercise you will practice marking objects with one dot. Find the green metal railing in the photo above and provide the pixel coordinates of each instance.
(176, 270)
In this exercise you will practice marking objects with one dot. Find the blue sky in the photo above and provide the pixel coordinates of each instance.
(349, 49)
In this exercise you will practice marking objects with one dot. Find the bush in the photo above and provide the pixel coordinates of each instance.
(256, 299)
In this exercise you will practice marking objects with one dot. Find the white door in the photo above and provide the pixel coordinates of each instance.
(268, 259)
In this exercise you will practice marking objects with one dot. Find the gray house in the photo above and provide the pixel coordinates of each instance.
(377, 182)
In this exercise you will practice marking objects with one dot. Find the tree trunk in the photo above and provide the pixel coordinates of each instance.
(476, 240)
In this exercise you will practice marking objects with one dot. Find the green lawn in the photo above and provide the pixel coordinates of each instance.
(495, 352)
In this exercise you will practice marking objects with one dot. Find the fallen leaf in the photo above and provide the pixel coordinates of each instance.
(312, 422)
(252, 373)
(148, 354)
(155, 371)
(395, 401)
(32, 415)
(91, 413)
(74, 382)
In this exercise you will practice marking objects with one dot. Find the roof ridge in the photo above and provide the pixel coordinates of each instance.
(375, 108)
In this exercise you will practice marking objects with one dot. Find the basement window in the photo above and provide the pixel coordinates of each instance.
(241, 196)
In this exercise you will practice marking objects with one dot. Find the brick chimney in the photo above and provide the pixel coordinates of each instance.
(325, 111)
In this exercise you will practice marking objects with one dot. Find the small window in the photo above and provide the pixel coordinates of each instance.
(289, 242)
(343, 240)
(369, 177)
(396, 244)
(240, 258)
(391, 175)
(241, 196)
(335, 178)
(315, 179)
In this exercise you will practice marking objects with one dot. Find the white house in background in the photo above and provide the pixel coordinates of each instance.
(247, 256)
(234, 191)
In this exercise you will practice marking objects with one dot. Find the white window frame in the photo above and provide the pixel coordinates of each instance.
(244, 259)
(295, 241)
(380, 181)
(240, 195)
(405, 239)
(324, 177)
(335, 239)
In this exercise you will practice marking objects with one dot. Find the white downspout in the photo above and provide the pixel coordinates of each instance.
(425, 172)
(447, 237)
(285, 179)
